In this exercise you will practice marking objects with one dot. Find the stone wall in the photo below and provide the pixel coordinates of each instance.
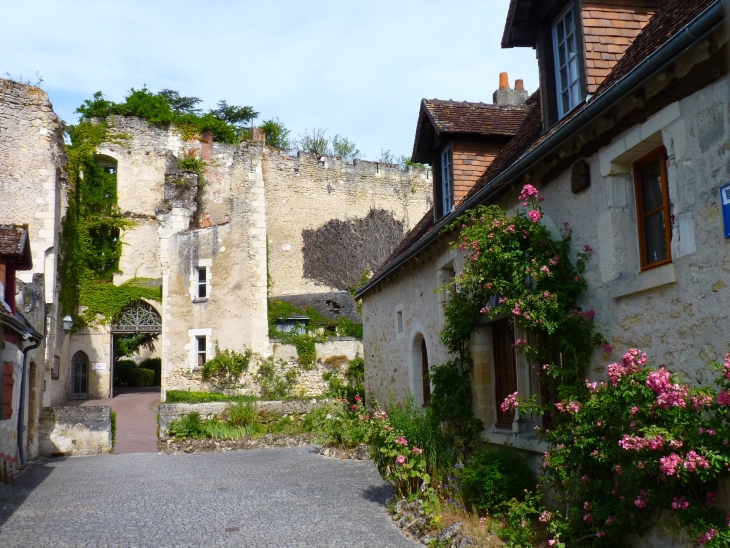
(332, 355)
(676, 313)
(32, 191)
(76, 430)
(305, 192)
(171, 411)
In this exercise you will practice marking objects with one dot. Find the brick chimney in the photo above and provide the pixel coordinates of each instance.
(505, 96)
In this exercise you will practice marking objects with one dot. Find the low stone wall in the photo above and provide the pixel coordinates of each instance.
(76, 430)
(171, 411)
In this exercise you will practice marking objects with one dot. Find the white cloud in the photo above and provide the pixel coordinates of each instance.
(357, 68)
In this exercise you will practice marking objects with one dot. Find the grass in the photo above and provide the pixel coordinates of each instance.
(185, 396)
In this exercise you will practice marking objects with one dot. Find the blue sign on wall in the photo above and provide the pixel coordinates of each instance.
(725, 200)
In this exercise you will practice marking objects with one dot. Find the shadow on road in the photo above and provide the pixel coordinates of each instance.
(377, 493)
(26, 481)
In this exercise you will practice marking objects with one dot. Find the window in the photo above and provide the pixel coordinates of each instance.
(399, 321)
(566, 62)
(202, 292)
(201, 346)
(447, 181)
(652, 209)
(505, 369)
(6, 392)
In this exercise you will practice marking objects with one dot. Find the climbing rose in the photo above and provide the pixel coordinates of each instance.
(723, 398)
(534, 215)
(668, 394)
(709, 535)
(527, 192)
(680, 503)
(669, 464)
(400, 459)
(510, 402)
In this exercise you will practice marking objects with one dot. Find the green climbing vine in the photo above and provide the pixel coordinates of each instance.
(515, 268)
(90, 237)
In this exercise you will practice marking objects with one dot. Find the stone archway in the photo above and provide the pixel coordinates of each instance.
(138, 319)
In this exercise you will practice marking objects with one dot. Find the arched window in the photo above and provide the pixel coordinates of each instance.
(79, 375)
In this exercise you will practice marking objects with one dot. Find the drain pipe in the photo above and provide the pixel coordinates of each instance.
(23, 382)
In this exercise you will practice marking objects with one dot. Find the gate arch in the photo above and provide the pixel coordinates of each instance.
(137, 317)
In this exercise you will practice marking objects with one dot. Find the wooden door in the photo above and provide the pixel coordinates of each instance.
(424, 375)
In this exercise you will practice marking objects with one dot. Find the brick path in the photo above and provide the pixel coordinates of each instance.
(136, 418)
(271, 497)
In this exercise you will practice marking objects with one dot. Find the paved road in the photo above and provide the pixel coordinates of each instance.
(271, 497)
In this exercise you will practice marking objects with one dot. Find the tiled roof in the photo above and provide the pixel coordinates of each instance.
(671, 17)
(474, 118)
(422, 228)
(12, 240)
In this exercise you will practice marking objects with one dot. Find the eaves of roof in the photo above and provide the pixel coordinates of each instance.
(660, 58)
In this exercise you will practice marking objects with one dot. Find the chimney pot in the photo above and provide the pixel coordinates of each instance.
(503, 80)
(519, 85)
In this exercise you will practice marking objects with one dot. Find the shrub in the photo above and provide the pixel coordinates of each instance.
(339, 423)
(275, 382)
(114, 428)
(188, 426)
(227, 366)
(493, 477)
(347, 328)
(637, 445)
(185, 396)
(242, 414)
(134, 377)
(156, 365)
(119, 364)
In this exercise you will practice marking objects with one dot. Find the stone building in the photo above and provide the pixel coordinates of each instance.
(219, 240)
(22, 317)
(649, 87)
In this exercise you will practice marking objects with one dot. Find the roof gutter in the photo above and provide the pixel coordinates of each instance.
(654, 63)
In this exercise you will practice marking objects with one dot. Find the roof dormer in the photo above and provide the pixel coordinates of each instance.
(460, 139)
(577, 43)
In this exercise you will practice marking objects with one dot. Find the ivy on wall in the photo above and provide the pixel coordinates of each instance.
(90, 245)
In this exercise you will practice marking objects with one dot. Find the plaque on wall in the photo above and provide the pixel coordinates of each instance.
(580, 178)
(98, 366)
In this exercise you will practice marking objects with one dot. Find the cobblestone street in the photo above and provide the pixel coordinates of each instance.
(274, 497)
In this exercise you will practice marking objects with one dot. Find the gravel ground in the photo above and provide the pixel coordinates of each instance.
(273, 497)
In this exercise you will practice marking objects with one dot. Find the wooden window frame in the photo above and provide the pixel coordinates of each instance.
(6, 391)
(202, 285)
(199, 352)
(447, 194)
(641, 215)
(503, 420)
(570, 7)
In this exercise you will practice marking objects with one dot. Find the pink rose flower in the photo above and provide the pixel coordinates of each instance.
(400, 459)
(534, 215)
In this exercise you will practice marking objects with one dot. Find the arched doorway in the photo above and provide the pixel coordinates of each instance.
(79, 376)
(134, 330)
(418, 371)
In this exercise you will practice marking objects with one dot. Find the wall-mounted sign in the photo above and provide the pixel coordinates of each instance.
(725, 200)
(98, 366)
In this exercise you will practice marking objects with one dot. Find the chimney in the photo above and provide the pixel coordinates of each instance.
(258, 135)
(505, 96)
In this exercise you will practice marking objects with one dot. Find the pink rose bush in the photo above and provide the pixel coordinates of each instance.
(643, 442)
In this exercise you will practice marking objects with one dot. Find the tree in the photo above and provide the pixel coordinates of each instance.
(344, 148)
(277, 136)
(236, 116)
(313, 142)
(178, 104)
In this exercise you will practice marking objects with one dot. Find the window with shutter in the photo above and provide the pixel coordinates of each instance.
(6, 404)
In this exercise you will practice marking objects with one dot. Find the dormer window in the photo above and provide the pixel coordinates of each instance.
(447, 180)
(567, 74)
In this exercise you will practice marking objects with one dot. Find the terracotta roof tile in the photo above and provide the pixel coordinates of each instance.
(12, 240)
(474, 118)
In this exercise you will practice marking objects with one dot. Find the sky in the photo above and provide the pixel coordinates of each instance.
(356, 69)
